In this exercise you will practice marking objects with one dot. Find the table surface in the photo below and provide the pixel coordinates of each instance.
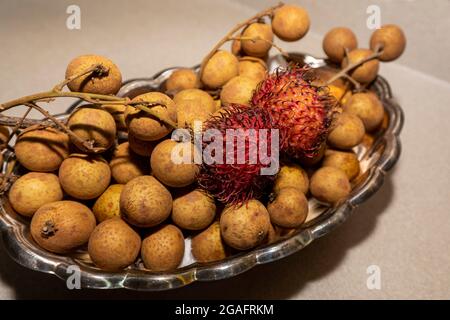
(403, 229)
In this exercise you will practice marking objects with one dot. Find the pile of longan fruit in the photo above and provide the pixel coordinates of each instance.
(132, 201)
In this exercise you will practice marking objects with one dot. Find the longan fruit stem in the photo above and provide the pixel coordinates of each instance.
(96, 68)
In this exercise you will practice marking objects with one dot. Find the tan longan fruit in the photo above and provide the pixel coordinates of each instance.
(145, 202)
(146, 127)
(32, 190)
(220, 68)
(365, 73)
(368, 108)
(62, 226)
(347, 133)
(207, 246)
(163, 250)
(291, 175)
(107, 206)
(4, 134)
(190, 112)
(290, 22)
(252, 69)
(108, 83)
(93, 123)
(84, 176)
(203, 99)
(182, 79)
(126, 165)
(346, 161)
(165, 168)
(42, 149)
(391, 38)
(336, 41)
(246, 226)
(330, 185)
(141, 147)
(194, 210)
(118, 113)
(238, 90)
(114, 245)
(289, 208)
(236, 47)
(257, 48)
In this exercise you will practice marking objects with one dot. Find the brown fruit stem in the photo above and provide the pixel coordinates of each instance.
(99, 69)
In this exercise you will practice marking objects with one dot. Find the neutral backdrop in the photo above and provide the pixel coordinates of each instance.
(404, 229)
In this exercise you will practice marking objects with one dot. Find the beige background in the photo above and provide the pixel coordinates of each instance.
(404, 228)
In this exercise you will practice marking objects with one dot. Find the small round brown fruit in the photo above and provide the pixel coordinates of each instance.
(252, 69)
(330, 185)
(291, 175)
(290, 22)
(145, 202)
(141, 147)
(163, 250)
(114, 245)
(259, 36)
(182, 79)
(191, 114)
(42, 149)
(246, 226)
(336, 41)
(126, 165)
(62, 226)
(107, 82)
(4, 134)
(346, 161)
(107, 206)
(32, 190)
(391, 38)
(347, 133)
(207, 246)
(368, 108)
(193, 211)
(118, 113)
(220, 68)
(289, 208)
(202, 99)
(365, 73)
(236, 47)
(238, 90)
(84, 176)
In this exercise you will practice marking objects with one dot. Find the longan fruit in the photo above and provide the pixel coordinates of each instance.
(330, 185)
(108, 83)
(32, 190)
(145, 202)
(114, 245)
(348, 132)
(252, 69)
(346, 161)
(146, 127)
(165, 168)
(107, 206)
(84, 176)
(203, 99)
(368, 108)
(236, 47)
(246, 226)
(93, 123)
(290, 22)
(207, 246)
(42, 149)
(118, 113)
(4, 134)
(336, 41)
(289, 208)
(189, 112)
(141, 147)
(257, 48)
(194, 210)
(391, 38)
(291, 175)
(125, 165)
(62, 226)
(182, 79)
(238, 90)
(163, 250)
(365, 73)
(220, 68)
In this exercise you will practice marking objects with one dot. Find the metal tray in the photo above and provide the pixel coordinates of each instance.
(378, 154)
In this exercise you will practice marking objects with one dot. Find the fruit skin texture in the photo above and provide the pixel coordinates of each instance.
(219, 69)
(346, 161)
(106, 84)
(330, 185)
(202, 99)
(92, 123)
(193, 211)
(347, 133)
(62, 226)
(182, 79)
(336, 41)
(289, 208)
(126, 165)
(118, 113)
(42, 150)
(145, 202)
(238, 90)
(291, 175)
(246, 226)
(252, 69)
(190, 112)
(168, 172)
(113, 245)
(290, 22)
(84, 176)
(145, 127)
(107, 205)
(393, 40)
(140, 147)
(207, 246)
(365, 73)
(32, 190)
(258, 48)
(4, 134)
(163, 250)
(368, 108)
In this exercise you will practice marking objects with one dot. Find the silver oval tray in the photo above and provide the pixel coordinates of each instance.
(377, 157)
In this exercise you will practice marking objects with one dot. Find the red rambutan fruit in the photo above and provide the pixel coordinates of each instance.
(234, 183)
(301, 111)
